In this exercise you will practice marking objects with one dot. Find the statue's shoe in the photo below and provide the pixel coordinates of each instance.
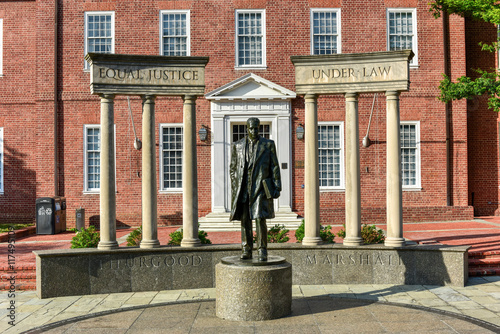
(246, 255)
(262, 254)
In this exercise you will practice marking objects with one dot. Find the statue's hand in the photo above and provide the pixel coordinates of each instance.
(276, 193)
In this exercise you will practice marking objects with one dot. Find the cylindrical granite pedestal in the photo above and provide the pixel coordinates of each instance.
(249, 290)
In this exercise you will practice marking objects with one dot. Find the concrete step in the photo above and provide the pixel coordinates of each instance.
(220, 222)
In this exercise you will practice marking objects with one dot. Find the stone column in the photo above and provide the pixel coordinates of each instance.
(107, 181)
(189, 176)
(352, 179)
(149, 199)
(311, 209)
(394, 186)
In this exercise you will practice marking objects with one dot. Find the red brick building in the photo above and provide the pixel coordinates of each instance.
(49, 121)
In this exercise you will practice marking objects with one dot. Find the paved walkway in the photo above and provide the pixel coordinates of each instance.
(316, 309)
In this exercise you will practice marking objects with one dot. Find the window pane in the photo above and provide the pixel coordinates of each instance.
(250, 46)
(408, 135)
(172, 157)
(400, 30)
(175, 34)
(324, 27)
(329, 153)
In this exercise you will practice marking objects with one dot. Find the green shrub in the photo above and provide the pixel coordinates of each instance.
(85, 238)
(7, 227)
(325, 233)
(135, 237)
(370, 234)
(176, 238)
(276, 234)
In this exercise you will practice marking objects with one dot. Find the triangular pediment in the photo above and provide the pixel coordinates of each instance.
(251, 87)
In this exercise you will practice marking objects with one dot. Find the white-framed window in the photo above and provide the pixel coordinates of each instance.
(92, 158)
(325, 31)
(331, 155)
(1, 47)
(250, 38)
(402, 31)
(171, 137)
(175, 34)
(410, 154)
(99, 33)
(2, 188)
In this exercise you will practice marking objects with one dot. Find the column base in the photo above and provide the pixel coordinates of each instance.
(190, 242)
(149, 243)
(106, 245)
(312, 241)
(394, 242)
(353, 241)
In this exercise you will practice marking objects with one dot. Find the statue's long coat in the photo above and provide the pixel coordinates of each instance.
(266, 166)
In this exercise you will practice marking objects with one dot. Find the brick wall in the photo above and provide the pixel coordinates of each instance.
(29, 114)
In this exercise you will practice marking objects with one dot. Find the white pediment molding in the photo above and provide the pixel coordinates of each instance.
(251, 87)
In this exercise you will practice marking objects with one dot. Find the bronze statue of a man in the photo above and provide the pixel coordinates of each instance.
(255, 182)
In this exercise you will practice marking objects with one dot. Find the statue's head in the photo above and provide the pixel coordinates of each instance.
(253, 124)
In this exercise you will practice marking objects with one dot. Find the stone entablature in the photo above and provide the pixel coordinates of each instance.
(154, 75)
(356, 73)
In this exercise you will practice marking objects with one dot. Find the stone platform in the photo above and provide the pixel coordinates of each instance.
(249, 290)
(91, 271)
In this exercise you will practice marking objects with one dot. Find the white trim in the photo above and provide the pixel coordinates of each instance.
(112, 13)
(414, 61)
(2, 186)
(188, 28)
(236, 57)
(341, 187)
(339, 26)
(163, 190)
(1, 47)
(85, 163)
(418, 174)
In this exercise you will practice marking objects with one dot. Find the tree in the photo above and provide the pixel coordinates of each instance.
(487, 82)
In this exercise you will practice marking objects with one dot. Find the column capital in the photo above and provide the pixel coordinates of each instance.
(109, 97)
(189, 98)
(392, 94)
(351, 96)
(309, 97)
(147, 98)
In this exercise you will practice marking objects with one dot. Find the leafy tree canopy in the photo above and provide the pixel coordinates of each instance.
(487, 82)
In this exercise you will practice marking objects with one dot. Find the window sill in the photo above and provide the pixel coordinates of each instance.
(331, 190)
(412, 189)
(173, 191)
(414, 67)
(252, 68)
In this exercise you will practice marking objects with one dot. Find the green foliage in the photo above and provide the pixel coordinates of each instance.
(372, 235)
(176, 238)
(7, 227)
(467, 88)
(325, 233)
(486, 83)
(299, 232)
(85, 238)
(484, 10)
(276, 234)
(135, 237)
(369, 233)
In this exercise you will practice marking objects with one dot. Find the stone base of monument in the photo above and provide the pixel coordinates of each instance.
(249, 290)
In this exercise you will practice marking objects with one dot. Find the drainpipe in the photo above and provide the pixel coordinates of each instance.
(56, 123)
(448, 109)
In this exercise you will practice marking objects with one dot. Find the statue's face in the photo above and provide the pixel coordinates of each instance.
(253, 130)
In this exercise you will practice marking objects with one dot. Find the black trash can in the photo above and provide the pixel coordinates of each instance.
(50, 215)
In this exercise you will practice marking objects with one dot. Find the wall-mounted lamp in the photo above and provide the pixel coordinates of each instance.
(300, 132)
(203, 133)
